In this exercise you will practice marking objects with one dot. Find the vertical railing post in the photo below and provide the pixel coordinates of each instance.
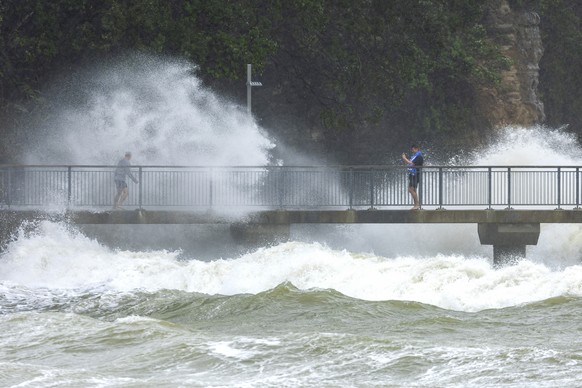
(69, 186)
(509, 187)
(559, 190)
(9, 195)
(210, 188)
(372, 189)
(280, 187)
(440, 187)
(577, 188)
(140, 186)
(351, 187)
(419, 193)
(489, 187)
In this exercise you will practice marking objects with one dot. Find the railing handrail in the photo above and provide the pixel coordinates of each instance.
(348, 186)
(374, 166)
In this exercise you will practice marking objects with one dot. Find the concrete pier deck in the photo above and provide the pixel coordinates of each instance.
(508, 231)
(324, 217)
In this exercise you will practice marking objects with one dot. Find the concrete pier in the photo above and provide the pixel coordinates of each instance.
(509, 240)
(259, 234)
(508, 231)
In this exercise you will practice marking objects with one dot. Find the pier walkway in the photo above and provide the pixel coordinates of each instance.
(508, 203)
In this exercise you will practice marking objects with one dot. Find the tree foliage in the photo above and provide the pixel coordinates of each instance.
(39, 37)
(561, 65)
(388, 68)
(353, 68)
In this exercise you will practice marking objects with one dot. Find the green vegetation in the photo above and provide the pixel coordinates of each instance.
(41, 37)
(366, 60)
(561, 65)
(403, 69)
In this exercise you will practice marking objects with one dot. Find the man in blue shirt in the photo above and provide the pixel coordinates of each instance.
(123, 169)
(414, 173)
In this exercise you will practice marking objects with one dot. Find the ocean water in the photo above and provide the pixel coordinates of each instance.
(77, 313)
(336, 306)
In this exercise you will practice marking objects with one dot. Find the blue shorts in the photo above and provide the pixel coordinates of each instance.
(413, 180)
(120, 185)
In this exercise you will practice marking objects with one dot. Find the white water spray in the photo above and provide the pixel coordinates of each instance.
(59, 258)
(164, 116)
(534, 146)
(156, 108)
(558, 246)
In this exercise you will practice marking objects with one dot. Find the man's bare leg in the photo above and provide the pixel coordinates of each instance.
(123, 197)
(120, 197)
(116, 199)
(414, 195)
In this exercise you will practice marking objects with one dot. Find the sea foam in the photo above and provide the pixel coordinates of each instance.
(59, 257)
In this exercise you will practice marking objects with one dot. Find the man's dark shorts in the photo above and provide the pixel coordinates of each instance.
(413, 180)
(120, 185)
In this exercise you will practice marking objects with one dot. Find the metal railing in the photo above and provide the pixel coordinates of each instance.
(490, 187)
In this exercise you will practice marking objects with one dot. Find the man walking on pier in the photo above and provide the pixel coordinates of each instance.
(123, 169)
(414, 173)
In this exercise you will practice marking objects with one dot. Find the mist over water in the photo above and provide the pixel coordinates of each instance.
(405, 305)
(155, 107)
(158, 109)
(534, 146)
(558, 246)
(59, 257)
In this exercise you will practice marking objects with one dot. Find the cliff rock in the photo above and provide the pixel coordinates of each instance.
(515, 101)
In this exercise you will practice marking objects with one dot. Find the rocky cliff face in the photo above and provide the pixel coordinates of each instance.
(515, 101)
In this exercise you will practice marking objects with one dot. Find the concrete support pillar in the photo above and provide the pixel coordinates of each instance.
(509, 240)
(260, 234)
(507, 254)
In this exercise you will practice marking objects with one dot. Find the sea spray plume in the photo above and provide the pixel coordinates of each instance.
(155, 107)
(514, 147)
(559, 245)
(526, 146)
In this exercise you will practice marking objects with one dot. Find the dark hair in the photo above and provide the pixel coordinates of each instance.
(414, 145)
